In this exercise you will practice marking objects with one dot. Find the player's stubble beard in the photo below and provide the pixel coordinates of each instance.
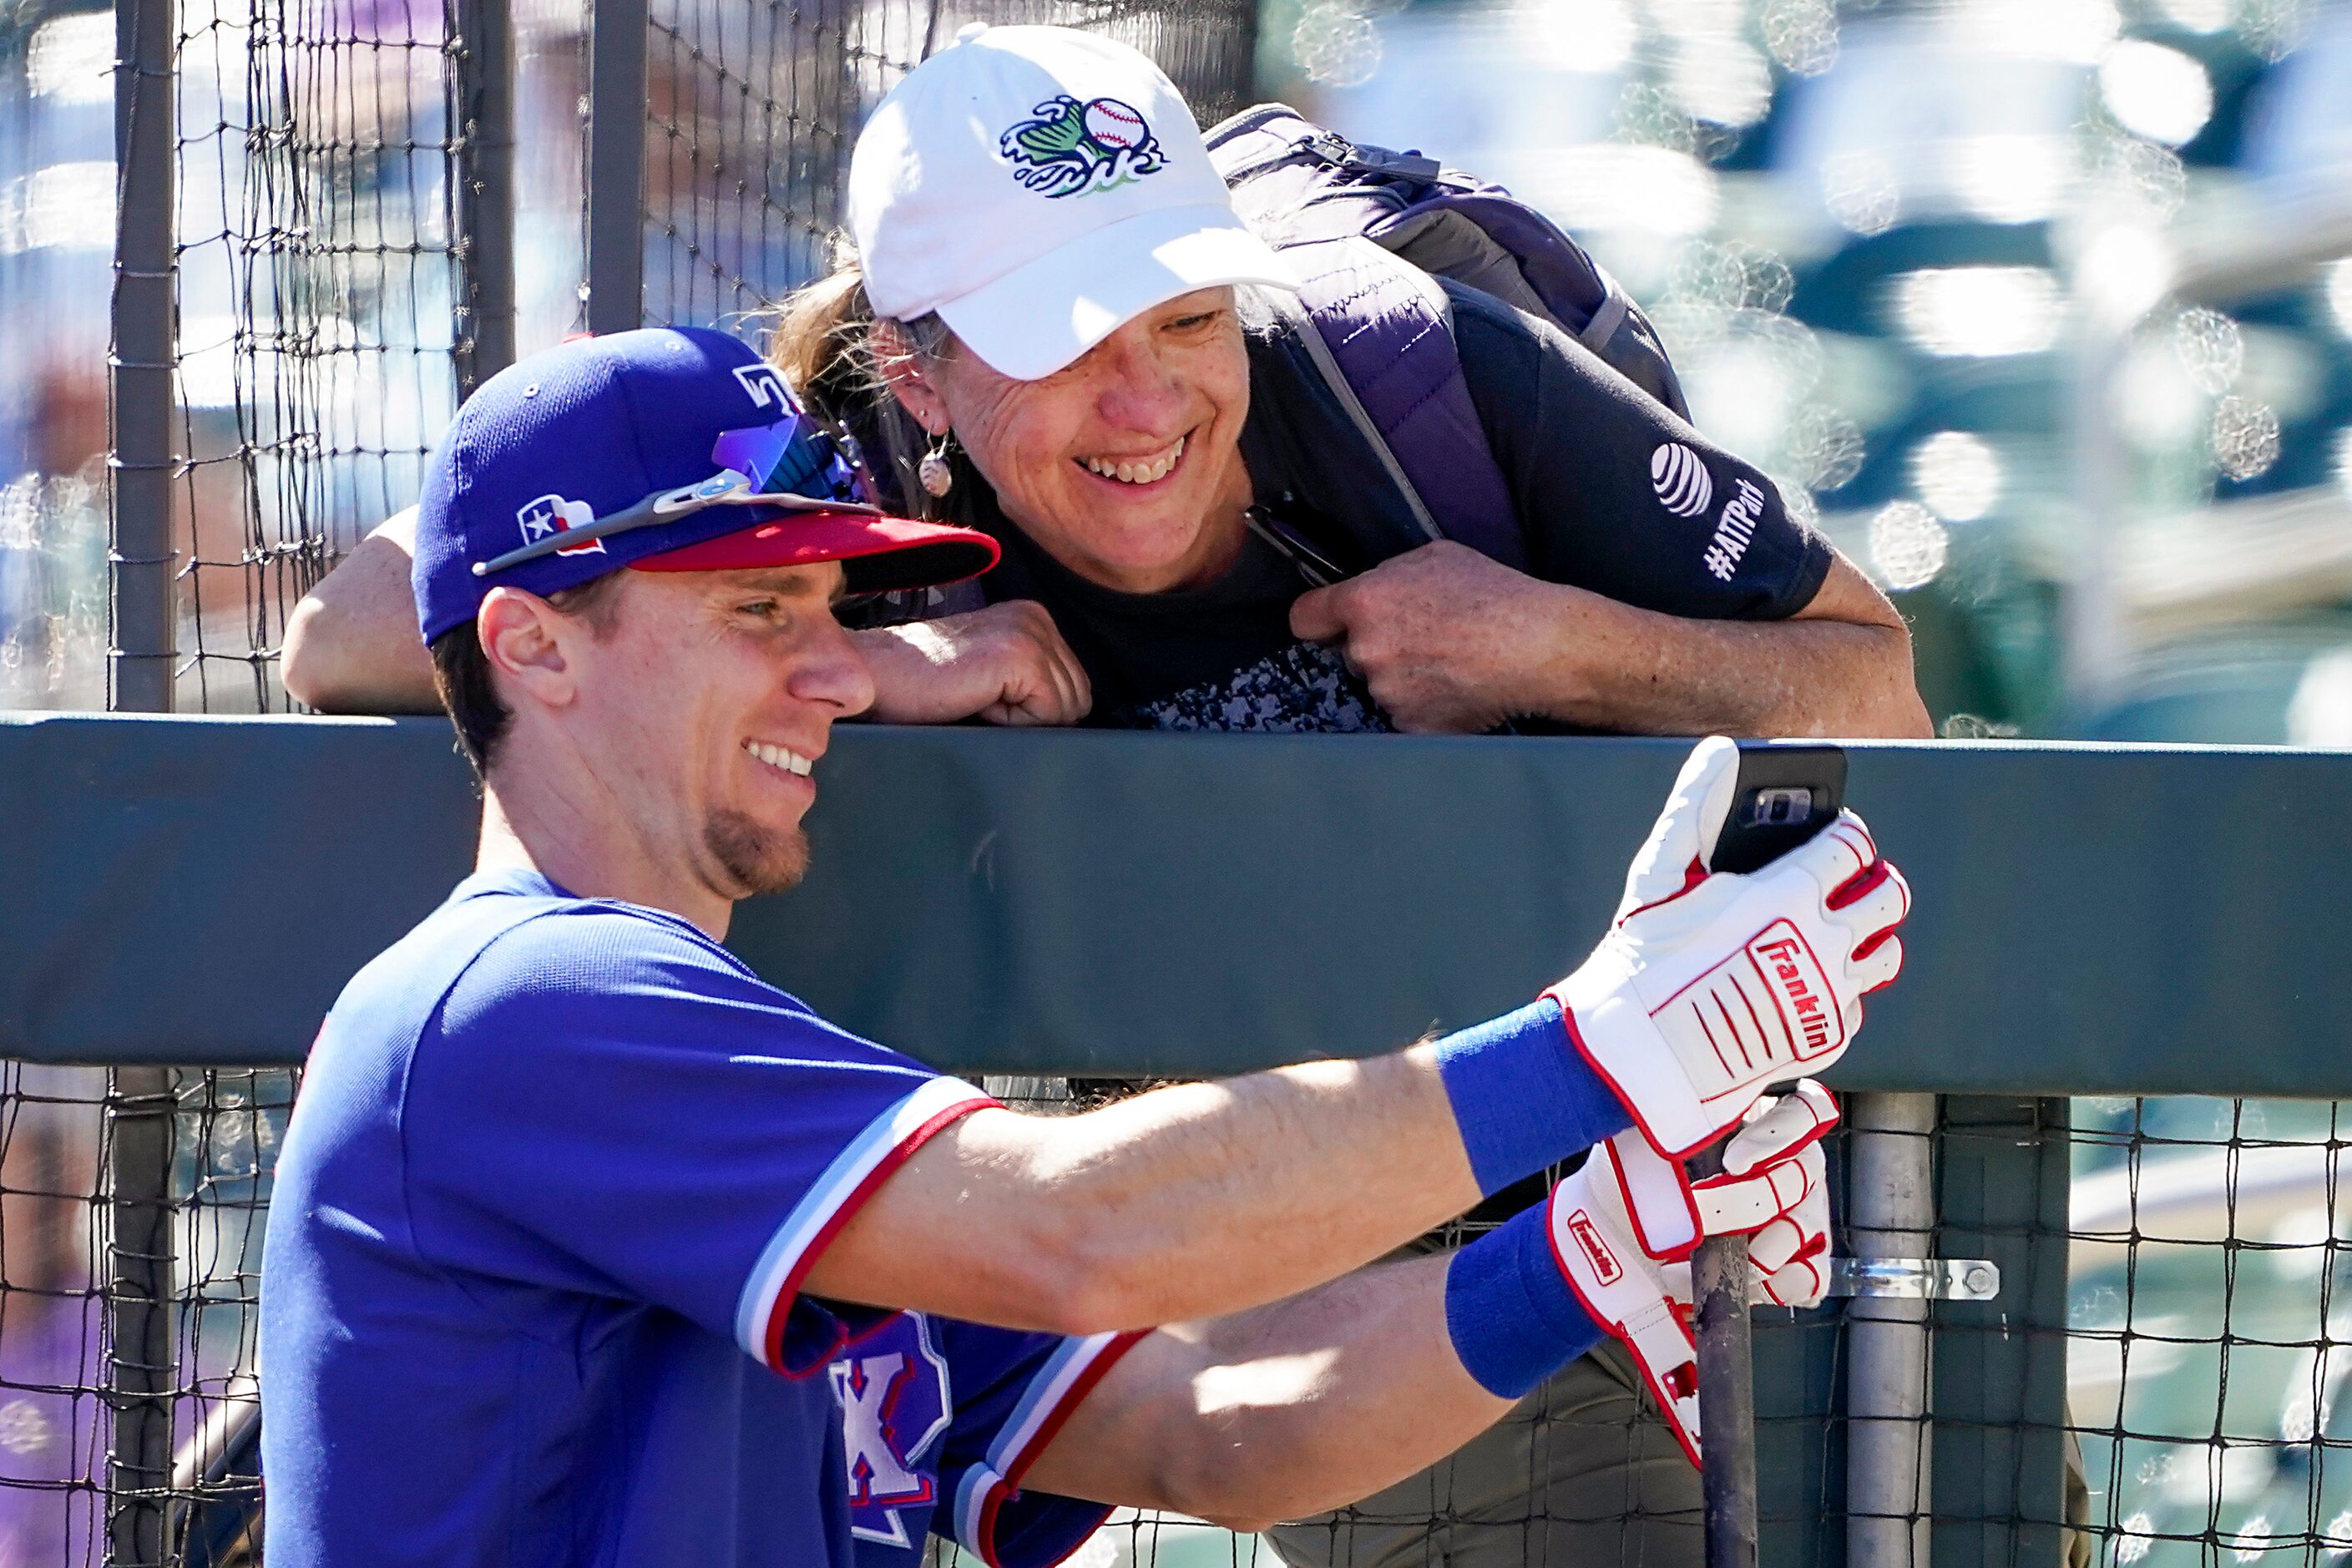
(758, 857)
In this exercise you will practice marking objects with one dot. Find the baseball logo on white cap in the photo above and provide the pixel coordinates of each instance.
(1070, 149)
(1680, 479)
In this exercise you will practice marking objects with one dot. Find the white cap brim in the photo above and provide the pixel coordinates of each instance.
(1044, 314)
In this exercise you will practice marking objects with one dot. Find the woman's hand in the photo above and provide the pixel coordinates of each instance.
(1006, 663)
(1447, 639)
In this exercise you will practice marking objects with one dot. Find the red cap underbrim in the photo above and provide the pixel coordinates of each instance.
(879, 554)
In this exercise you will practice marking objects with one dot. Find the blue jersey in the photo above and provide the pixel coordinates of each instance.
(531, 1289)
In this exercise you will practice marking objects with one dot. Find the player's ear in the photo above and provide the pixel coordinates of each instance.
(525, 639)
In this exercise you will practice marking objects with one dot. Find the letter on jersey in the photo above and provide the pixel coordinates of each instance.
(895, 1403)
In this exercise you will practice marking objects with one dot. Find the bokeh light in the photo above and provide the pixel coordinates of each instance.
(1587, 35)
(1908, 545)
(2320, 714)
(1335, 45)
(2245, 437)
(2157, 408)
(1802, 35)
(65, 206)
(2338, 291)
(2156, 92)
(1957, 473)
(2196, 15)
(2210, 348)
(2076, 30)
(72, 59)
(1860, 193)
(1979, 311)
(1824, 447)
(1721, 80)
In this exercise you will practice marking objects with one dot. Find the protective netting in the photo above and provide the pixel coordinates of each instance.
(77, 1182)
(2205, 1250)
(2176, 1330)
(755, 107)
(317, 281)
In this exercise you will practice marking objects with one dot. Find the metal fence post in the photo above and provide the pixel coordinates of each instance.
(140, 1330)
(616, 165)
(1891, 1213)
(141, 656)
(483, 107)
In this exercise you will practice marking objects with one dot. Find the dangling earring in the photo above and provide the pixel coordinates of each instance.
(934, 473)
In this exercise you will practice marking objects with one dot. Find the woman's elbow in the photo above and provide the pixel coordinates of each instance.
(306, 657)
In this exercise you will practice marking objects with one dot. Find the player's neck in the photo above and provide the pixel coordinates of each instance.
(527, 830)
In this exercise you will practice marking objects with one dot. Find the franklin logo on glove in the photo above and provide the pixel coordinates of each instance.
(1787, 960)
(1596, 1251)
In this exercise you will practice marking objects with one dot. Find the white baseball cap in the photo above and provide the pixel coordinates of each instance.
(1039, 187)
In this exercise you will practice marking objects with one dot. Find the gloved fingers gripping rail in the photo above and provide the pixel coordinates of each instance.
(1789, 1258)
(1601, 1250)
(1669, 1212)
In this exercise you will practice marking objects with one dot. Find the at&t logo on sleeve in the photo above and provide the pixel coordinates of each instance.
(1681, 481)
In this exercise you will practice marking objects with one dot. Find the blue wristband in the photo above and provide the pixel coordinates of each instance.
(1524, 1096)
(1510, 1312)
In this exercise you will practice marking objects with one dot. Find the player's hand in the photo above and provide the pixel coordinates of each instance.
(1777, 1152)
(1713, 986)
(1006, 664)
(1773, 1186)
(1644, 1301)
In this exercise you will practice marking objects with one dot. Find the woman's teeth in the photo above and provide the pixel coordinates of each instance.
(778, 757)
(1135, 473)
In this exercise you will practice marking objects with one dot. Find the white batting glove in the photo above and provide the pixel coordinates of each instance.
(1713, 986)
(1776, 1191)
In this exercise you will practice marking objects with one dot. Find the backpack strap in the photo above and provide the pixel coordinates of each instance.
(1383, 336)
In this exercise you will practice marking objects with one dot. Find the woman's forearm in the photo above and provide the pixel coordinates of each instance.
(352, 645)
(1662, 675)
(1840, 666)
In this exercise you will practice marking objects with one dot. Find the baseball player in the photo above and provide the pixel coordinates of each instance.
(588, 1247)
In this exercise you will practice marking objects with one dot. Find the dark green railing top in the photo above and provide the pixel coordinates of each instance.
(2092, 918)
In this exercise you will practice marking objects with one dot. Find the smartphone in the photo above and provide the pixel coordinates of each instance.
(1787, 791)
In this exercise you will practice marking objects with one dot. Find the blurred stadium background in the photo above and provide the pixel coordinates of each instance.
(2040, 306)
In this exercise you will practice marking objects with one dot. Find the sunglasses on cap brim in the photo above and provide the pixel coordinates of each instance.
(761, 465)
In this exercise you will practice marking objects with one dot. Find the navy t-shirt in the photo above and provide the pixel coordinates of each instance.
(1613, 494)
(532, 1290)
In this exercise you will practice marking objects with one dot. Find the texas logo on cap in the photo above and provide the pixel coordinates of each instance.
(553, 514)
(1070, 149)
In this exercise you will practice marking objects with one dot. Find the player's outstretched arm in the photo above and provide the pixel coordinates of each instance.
(1150, 1212)
(1310, 1404)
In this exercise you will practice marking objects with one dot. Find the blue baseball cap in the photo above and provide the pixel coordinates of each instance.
(667, 449)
